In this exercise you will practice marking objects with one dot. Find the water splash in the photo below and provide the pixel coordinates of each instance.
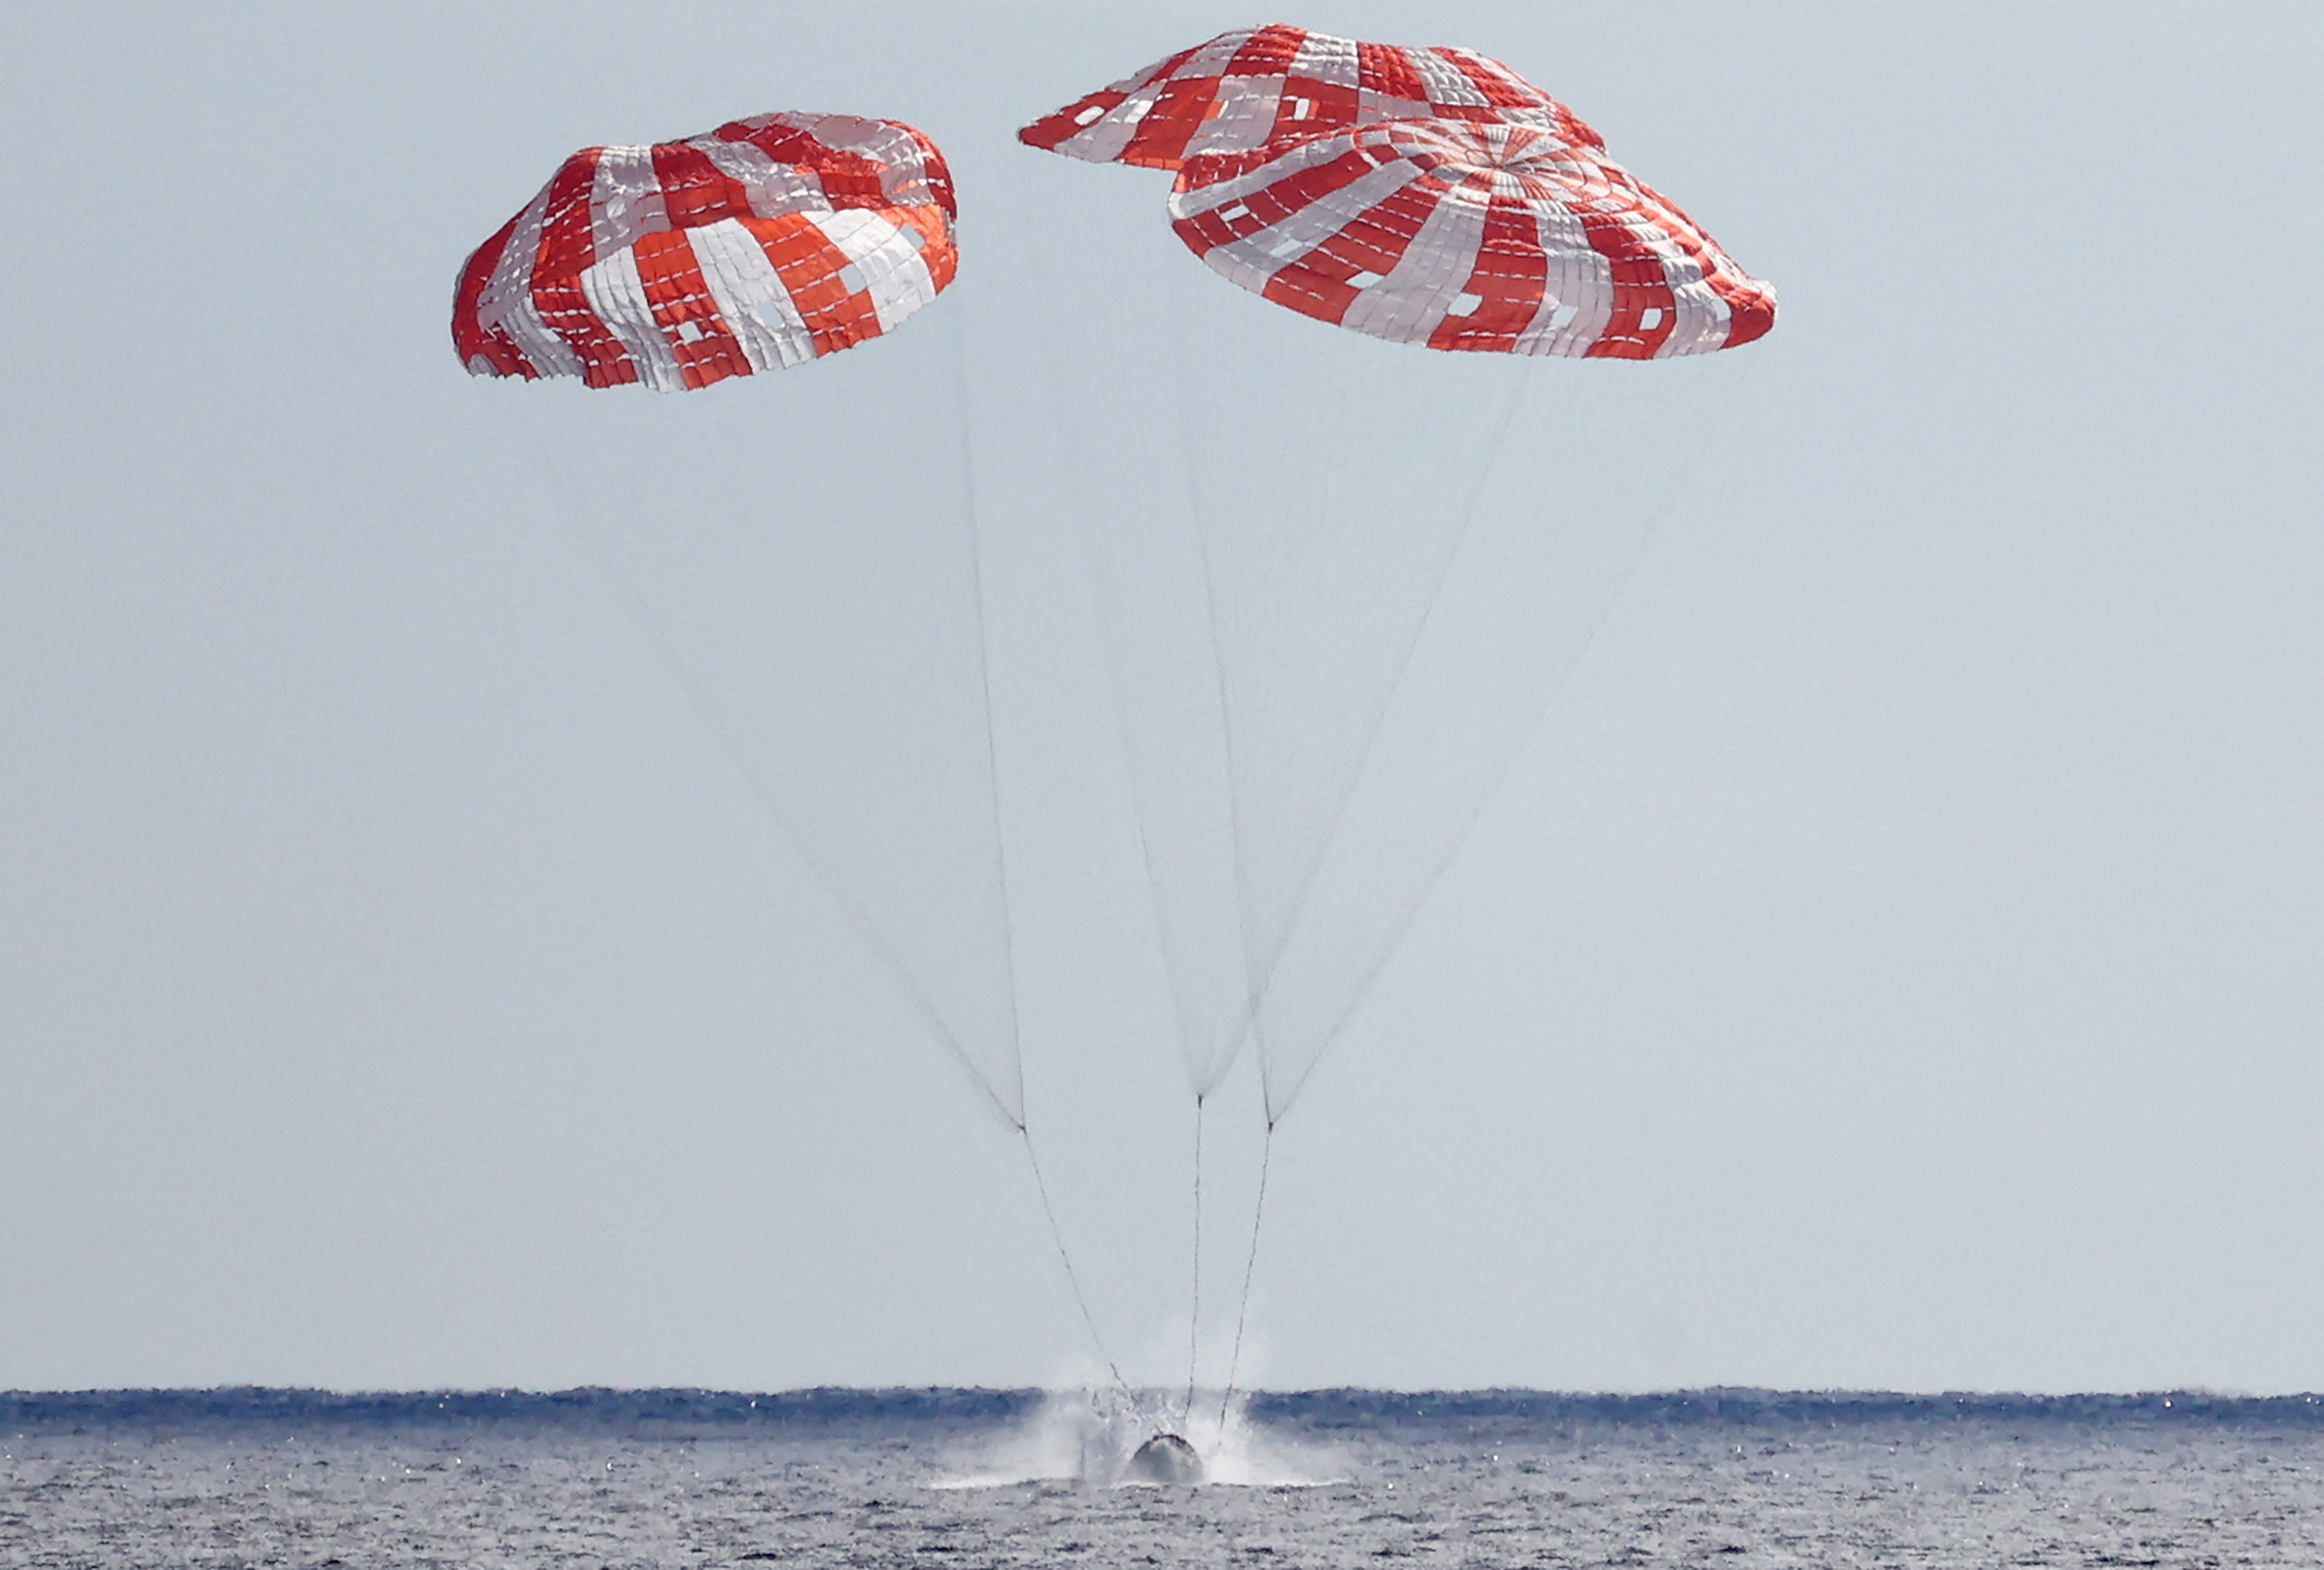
(1086, 1437)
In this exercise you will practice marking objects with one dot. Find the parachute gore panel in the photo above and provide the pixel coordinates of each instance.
(1246, 89)
(762, 243)
(1463, 234)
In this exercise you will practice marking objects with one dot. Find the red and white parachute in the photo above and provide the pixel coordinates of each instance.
(839, 670)
(1246, 89)
(1463, 234)
(1425, 196)
(762, 243)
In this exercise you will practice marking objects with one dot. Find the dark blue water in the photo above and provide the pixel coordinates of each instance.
(1740, 1478)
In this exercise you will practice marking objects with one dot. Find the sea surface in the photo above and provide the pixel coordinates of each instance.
(968, 1478)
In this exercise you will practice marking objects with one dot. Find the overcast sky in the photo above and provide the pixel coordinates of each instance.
(1894, 962)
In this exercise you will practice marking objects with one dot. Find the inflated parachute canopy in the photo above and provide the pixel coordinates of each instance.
(762, 243)
(1255, 84)
(1425, 196)
(1468, 235)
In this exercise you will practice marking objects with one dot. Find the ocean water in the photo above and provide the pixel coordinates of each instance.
(967, 1478)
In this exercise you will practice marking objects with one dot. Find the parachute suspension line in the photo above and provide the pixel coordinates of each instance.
(1226, 739)
(1194, 1317)
(1187, 445)
(1485, 798)
(1468, 518)
(1073, 1277)
(984, 690)
(866, 929)
(1249, 1265)
(1001, 855)
(1117, 684)
(706, 712)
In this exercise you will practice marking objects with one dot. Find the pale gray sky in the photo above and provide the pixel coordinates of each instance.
(1894, 962)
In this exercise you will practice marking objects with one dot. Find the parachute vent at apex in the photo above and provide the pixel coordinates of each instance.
(761, 245)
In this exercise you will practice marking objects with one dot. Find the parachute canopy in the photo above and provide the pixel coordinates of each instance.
(1464, 235)
(1255, 84)
(1424, 196)
(762, 243)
